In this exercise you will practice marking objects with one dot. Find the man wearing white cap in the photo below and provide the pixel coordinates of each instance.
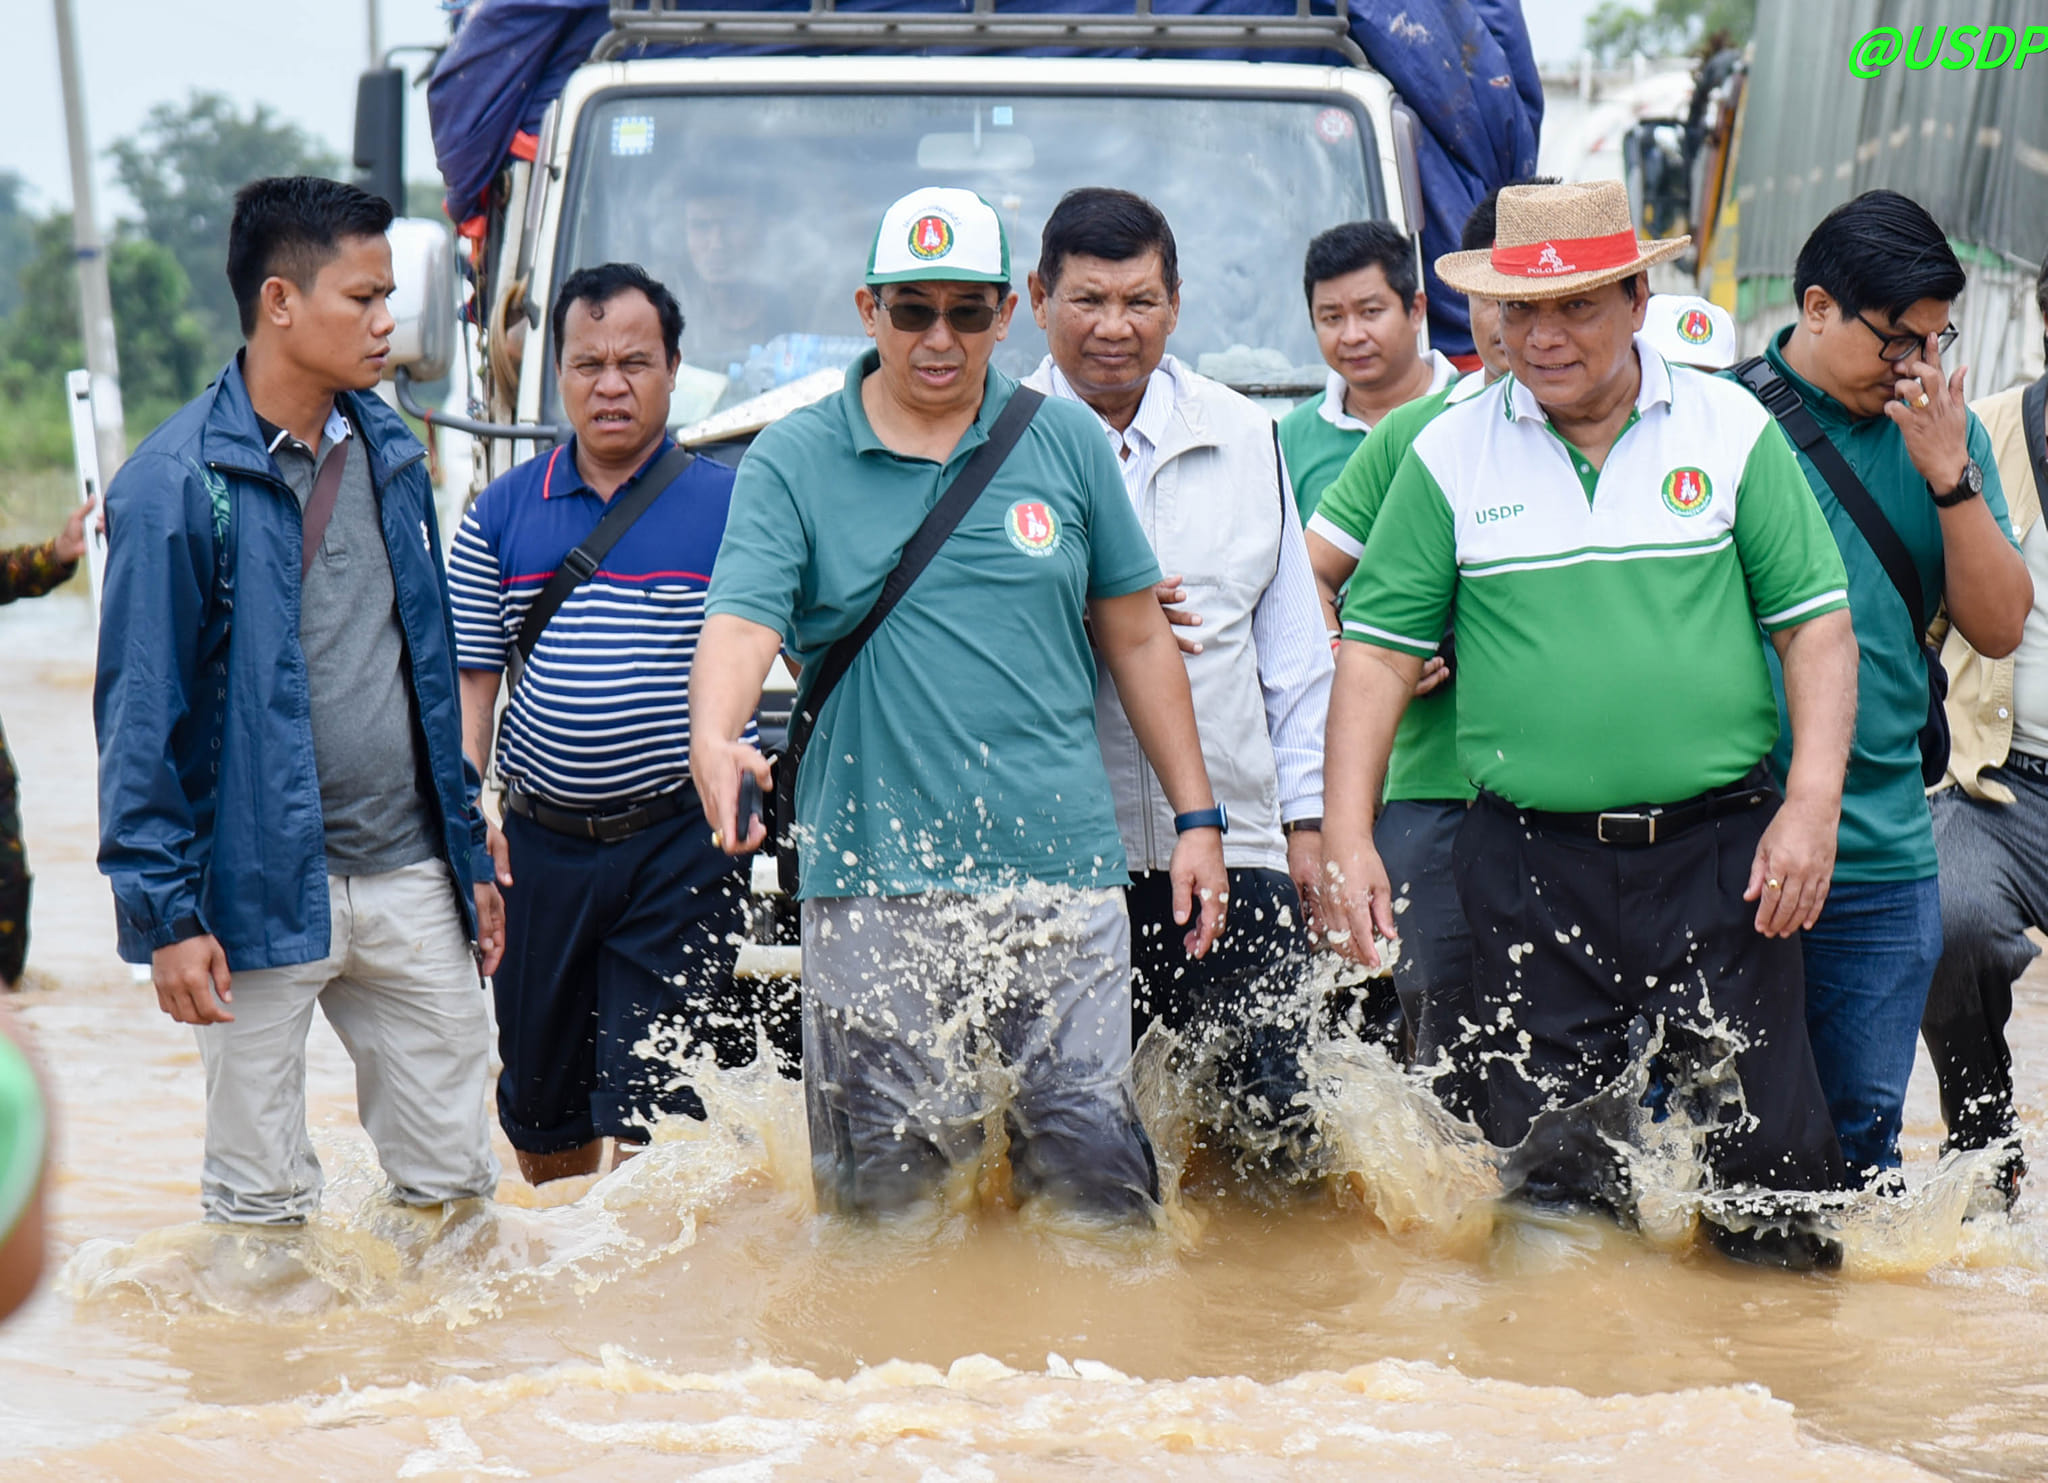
(1613, 531)
(965, 939)
(1688, 330)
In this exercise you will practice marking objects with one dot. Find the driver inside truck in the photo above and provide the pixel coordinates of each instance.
(731, 309)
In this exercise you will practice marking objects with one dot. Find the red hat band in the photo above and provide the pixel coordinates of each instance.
(1563, 255)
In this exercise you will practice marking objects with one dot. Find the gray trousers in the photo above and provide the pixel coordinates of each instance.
(1994, 885)
(924, 1015)
(400, 987)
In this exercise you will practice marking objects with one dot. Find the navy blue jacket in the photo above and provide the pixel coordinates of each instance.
(210, 814)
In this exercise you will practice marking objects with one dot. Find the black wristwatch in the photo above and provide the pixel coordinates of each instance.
(1313, 824)
(1969, 487)
(1216, 818)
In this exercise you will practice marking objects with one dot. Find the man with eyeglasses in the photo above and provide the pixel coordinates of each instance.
(1609, 532)
(1874, 286)
(965, 939)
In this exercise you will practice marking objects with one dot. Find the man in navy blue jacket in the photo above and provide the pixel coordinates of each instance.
(286, 816)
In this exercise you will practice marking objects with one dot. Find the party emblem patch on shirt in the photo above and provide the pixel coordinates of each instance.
(930, 237)
(1033, 528)
(1687, 491)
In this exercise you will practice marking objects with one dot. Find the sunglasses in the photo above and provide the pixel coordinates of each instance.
(1895, 348)
(913, 318)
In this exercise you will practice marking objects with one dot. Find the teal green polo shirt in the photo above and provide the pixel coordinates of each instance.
(1887, 833)
(1424, 764)
(959, 753)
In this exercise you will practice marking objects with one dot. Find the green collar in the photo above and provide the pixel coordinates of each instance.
(995, 393)
(1825, 408)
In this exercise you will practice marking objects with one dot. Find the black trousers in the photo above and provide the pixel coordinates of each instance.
(1243, 1008)
(604, 945)
(1584, 948)
(14, 876)
(1433, 973)
(1994, 885)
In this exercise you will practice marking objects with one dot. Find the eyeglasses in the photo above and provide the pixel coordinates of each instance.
(913, 318)
(1894, 348)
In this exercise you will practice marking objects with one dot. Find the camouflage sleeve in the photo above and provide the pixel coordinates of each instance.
(31, 571)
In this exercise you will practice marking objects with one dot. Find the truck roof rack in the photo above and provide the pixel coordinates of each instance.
(672, 23)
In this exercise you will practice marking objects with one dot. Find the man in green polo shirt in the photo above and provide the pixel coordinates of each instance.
(1366, 302)
(1614, 531)
(1426, 791)
(963, 922)
(1875, 283)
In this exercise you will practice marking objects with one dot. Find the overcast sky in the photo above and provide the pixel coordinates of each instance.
(299, 56)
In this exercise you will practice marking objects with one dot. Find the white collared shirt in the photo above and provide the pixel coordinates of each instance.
(1137, 446)
(1287, 621)
(1331, 409)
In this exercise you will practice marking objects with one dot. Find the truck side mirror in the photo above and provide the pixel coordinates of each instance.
(423, 301)
(380, 135)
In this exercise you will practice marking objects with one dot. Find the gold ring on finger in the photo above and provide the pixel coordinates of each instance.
(717, 841)
(1774, 884)
(1920, 400)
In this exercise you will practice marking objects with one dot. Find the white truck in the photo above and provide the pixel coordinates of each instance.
(750, 185)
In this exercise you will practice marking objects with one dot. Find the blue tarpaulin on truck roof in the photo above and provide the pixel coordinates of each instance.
(1464, 67)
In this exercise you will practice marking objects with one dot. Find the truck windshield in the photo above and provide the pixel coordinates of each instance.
(758, 210)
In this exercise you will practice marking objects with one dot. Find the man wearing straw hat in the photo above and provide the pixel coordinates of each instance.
(1612, 531)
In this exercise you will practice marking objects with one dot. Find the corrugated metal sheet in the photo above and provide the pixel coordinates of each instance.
(1968, 143)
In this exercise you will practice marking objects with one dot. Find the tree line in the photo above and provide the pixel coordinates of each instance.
(174, 318)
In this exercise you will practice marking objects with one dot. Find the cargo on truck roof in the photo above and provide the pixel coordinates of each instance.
(1463, 67)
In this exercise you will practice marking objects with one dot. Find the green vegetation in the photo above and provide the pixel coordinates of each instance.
(1616, 29)
(174, 318)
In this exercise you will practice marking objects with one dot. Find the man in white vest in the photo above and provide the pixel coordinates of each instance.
(1203, 471)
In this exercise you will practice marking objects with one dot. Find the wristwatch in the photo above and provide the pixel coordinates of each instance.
(1216, 818)
(1311, 825)
(1968, 487)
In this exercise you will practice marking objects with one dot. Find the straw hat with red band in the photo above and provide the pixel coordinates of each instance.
(1554, 240)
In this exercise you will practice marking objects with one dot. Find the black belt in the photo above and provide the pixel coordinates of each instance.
(608, 827)
(1649, 824)
(2027, 764)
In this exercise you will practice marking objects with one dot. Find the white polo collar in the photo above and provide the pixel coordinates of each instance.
(1655, 389)
(1331, 409)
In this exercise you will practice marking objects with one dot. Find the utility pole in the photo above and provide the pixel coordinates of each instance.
(376, 40)
(95, 301)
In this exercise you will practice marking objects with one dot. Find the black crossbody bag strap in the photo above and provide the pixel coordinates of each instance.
(1782, 401)
(576, 568)
(938, 525)
(2033, 402)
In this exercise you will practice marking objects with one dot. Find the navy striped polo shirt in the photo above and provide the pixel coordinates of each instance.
(602, 714)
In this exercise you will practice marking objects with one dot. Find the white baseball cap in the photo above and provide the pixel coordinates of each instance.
(940, 232)
(1690, 331)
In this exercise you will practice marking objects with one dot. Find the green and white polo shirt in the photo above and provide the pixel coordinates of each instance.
(1319, 436)
(1424, 764)
(1607, 621)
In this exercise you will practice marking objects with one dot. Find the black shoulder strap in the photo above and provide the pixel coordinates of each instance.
(940, 523)
(2033, 403)
(576, 568)
(1782, 401)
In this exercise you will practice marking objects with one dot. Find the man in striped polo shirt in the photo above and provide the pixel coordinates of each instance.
(622, 917)
(1613, 531)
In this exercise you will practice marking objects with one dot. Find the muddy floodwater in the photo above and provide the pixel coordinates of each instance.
(690, 1317)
